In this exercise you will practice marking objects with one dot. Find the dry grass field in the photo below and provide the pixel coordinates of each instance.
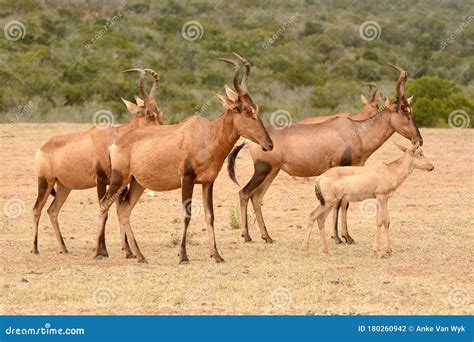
(430, 272)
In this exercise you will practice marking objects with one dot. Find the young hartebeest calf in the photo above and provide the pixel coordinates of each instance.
(358, 183)
(309, 150)
(81, 160)
(164, 158)
(369, 109)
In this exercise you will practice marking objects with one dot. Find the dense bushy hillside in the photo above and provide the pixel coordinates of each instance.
(63, 61)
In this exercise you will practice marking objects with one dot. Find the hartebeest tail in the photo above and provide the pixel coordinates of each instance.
(231, 162)
(319, 194)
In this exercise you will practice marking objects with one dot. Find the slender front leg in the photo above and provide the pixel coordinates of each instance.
(101, 249)
(386, 224)
(344, 231)
(209, 213)
(377, 233)
(187, 187)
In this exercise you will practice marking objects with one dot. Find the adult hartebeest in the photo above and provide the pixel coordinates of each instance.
(179, 156)
(309, 150)
(369, 108)
(358, 183)
(81, 160)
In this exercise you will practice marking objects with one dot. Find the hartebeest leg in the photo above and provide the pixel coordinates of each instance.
(124, 211)
(377, 251)
(101, 250)
(257, 199)
(386, 223)
(320, 214)
(62, 193)
(44, 189)
(344, 232)
(335, 217)
(187, 187)
(123, 236)
(261, 172)
(209, 213)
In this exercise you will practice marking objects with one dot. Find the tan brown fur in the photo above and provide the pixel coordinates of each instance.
(78, 161)
(179, 156)
(354, 183)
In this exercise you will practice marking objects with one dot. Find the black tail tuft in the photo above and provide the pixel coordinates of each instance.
(231, 162)
(319, 195)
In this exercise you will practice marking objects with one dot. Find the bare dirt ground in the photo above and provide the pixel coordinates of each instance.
(430, 273)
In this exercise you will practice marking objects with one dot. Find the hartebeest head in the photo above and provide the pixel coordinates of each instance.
(240, 105)
(402, 119)
(146, 109)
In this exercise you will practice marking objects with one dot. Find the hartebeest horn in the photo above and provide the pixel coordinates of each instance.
(247, 71)
(156, 82)
(401, 84)
(236, 74)
(371, 86)
(142, 81)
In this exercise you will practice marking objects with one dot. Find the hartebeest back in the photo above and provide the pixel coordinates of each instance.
(179, 156)
(81, 160)
(369, 109)
(309, 150)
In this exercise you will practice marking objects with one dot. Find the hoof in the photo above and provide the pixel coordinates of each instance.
(183, 260)
(378, 254)
(99, 257)
(336, 239)
(389, 252)
(348, 239)
(34, 251)
(217, 258)
(247, 238)
(325, 252)
(130, 256)
(63, 251)
(142, 261)
(267, 239)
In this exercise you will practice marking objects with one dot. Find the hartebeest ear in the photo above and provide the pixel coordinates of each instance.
(231, 94)
(364, 99)
(227, 103)
(400, 147)
(132, 107)
(139, 101)
(410, 99)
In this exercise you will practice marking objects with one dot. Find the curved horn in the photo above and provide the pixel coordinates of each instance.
(402, 79)
(142, 81)
(371, 86)
(236, 73)
(247, 70)
(156, 82)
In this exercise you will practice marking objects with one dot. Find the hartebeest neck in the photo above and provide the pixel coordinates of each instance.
(401, 169)
(224, 135)
(123, 130)
(374, 132)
